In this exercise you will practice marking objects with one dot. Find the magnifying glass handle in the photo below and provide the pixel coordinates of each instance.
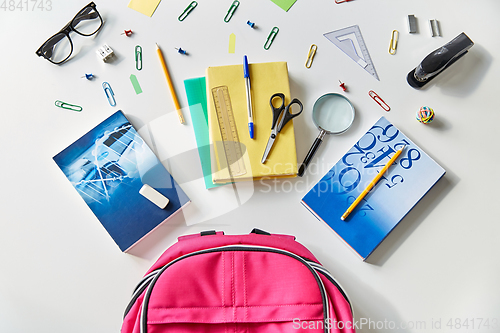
(310, 154)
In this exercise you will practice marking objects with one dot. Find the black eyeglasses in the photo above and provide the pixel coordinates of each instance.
(58, 48)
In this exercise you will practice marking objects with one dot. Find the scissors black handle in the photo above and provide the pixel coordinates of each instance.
(288, 114)
(278, 110)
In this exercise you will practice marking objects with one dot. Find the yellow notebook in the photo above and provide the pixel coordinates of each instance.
(266, 80)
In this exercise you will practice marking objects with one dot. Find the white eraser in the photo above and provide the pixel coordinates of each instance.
(154, 196)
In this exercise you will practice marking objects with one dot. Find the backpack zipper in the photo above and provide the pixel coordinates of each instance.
(148, 282)
(139, 289)
(330, 278)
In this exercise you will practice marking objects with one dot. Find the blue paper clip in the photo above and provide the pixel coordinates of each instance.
(231, 10)
(109, 93)
(271, 37)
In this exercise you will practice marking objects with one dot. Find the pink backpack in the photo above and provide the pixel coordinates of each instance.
(216, 283)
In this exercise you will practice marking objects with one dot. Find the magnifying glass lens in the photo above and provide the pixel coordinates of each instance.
(333, 114)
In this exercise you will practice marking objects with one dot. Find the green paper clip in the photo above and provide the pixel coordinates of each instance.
(231, 10)
(271, 37)
(188, 10)
(138, 57)
(61, 104)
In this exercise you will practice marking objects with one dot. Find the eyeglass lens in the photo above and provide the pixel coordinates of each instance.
(58, 48)
(87, 21)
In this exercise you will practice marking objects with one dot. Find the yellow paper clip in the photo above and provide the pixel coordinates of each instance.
(138, 57)
(394, 42)
(310, 55)
(271, 37)
(231, 10)
(188, 10)
(61, 104)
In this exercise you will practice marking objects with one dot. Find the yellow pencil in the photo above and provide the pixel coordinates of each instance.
(372, 183)
(170, 85)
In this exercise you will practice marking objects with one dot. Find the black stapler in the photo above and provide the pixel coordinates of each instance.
(438, 60)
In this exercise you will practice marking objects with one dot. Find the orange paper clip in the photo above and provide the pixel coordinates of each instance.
(340, 1)
(379, 100)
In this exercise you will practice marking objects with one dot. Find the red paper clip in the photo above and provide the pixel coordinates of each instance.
(379, 100)
(126, 33)
(337, 1)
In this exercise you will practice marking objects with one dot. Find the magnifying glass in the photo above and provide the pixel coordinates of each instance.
(332, 114)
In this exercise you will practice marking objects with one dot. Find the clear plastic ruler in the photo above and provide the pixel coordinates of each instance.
(229, 133)
(350, 41)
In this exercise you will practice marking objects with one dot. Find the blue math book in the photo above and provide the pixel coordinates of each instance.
(404, 184)
(108, 166)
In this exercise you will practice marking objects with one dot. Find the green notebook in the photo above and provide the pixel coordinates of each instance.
(196, 91)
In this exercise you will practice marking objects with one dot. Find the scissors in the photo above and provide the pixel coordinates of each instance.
(286, 115)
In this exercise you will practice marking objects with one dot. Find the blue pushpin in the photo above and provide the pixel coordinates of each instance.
(181, 51)
(252, 25)
(88, 76)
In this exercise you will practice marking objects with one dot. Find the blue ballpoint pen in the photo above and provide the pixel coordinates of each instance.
(246, 75)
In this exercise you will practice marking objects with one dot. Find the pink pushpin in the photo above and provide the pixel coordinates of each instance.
(126, 33)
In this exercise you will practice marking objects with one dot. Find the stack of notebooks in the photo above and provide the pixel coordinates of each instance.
(227, 153)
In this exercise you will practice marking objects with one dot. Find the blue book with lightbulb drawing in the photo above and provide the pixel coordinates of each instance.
(410, 177)
(108, 166)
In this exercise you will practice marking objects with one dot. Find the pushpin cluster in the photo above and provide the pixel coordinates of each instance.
(181, 51)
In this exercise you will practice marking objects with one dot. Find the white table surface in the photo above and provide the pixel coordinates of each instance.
(60, 270)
